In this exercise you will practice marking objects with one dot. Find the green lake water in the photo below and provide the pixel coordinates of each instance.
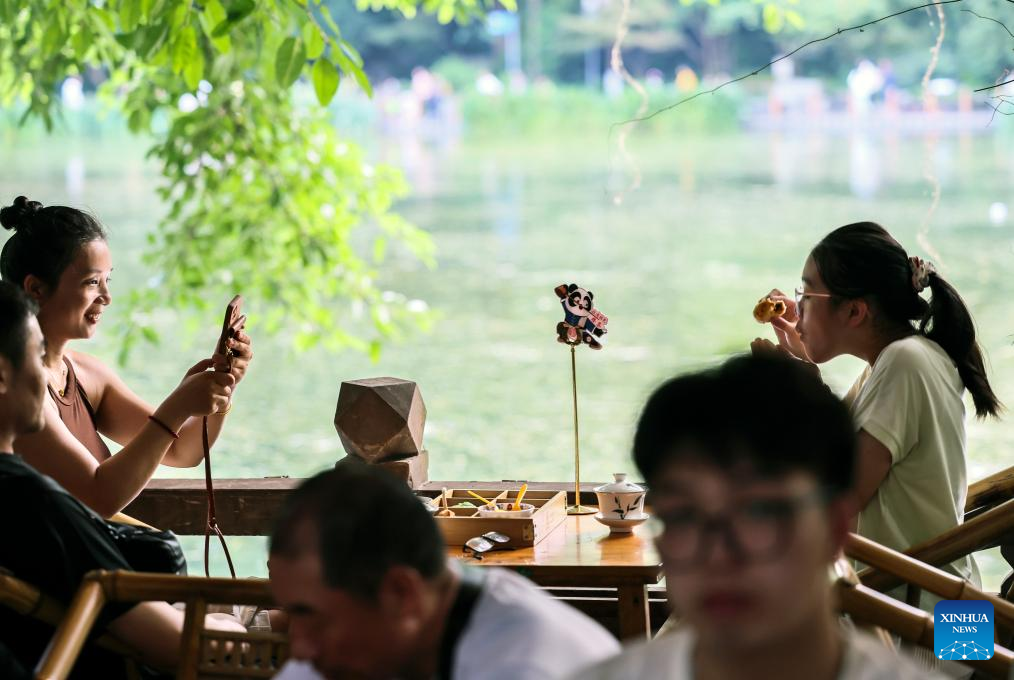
(676, 264)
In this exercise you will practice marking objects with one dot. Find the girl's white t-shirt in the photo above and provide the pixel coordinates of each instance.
(910, 401)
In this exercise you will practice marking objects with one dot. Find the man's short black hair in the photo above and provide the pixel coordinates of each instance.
(770, 412)
(365, 521)
(15, 309)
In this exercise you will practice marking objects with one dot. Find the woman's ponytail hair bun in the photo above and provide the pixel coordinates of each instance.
(45, 240)
(16, 216)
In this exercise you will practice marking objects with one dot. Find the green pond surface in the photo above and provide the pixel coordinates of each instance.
(676, 263)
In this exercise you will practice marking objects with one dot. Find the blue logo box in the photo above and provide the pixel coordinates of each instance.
(963, 629)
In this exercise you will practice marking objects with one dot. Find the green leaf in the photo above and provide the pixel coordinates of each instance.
(313, 39)
(139, 120)
(52, 38)
(151, 40)
(445, 14)
(324, 12)
(130, 15)
(325, 80)
(81, 41)
(352, 52)
(363, 81)
(289, 61)
(212, 20)
(194, 70)
(185, 49)
(178, 16)
(238, 10)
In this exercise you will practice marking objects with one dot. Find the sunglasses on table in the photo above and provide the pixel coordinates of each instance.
(483, 544)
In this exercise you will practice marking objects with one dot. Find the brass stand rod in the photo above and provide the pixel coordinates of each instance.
(577, 439)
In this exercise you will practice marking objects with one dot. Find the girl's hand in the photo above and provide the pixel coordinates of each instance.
(242, 353)
(785, 328)
(791, 313)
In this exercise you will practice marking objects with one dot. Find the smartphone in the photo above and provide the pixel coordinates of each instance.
(234, 322)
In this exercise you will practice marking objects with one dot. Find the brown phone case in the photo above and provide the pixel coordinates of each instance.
(234, 322)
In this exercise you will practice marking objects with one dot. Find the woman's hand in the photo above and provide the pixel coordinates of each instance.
(202, 391)
(242, 353)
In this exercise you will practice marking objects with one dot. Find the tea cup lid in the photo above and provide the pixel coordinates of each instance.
(619, 485)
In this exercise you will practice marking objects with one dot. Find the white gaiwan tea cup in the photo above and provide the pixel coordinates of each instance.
(620, 500)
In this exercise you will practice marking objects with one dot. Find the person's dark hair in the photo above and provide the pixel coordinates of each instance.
(769, 412)
(45, 239)
(15, 310)
(365, 521)
(862, 260)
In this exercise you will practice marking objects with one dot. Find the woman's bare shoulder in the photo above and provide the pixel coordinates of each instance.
(92, 373)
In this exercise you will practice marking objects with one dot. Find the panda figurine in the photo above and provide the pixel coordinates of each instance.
(581, 322)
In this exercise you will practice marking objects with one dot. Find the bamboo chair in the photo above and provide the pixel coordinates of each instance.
(28, 601)
(127, 519)
(204, 653)
(869, 606)
(988, 529)
(989, 522)
(989, 492)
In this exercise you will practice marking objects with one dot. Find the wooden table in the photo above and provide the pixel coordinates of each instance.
(582, 553)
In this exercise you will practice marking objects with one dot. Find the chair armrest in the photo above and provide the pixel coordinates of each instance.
(985, 531)
(989, 491)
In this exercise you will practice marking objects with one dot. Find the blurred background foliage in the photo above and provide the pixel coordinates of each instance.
(260, 187)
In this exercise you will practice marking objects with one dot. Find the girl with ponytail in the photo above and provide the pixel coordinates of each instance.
(863, 295)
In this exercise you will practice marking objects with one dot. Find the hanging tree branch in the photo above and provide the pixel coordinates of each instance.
(997, 21)
(858, 27)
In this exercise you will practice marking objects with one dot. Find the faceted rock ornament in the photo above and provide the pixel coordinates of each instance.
(380, 419)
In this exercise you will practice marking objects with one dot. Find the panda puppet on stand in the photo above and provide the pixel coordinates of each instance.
(581, 323)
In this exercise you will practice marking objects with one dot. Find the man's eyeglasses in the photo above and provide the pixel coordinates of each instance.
(802, 295)
(484, 543)
(755, 531)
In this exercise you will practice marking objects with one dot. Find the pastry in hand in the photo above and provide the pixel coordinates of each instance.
(768, 309)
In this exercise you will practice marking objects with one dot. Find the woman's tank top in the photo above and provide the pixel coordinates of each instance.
(77, 414)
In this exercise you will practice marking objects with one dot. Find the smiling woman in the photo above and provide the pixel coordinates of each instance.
(59, 256)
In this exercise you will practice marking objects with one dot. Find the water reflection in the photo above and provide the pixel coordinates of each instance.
(74, 174)
(864, 166)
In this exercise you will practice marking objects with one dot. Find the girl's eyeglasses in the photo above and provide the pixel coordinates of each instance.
(802, 295)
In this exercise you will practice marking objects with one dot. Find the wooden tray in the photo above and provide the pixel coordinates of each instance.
(550, 512)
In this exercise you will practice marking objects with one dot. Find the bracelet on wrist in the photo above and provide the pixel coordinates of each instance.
(168, 430)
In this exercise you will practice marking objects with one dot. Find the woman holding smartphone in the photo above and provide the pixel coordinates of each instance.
(863, 295)
(60, 257)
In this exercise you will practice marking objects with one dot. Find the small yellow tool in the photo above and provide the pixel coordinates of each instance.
(521, 494)
(491, 503)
